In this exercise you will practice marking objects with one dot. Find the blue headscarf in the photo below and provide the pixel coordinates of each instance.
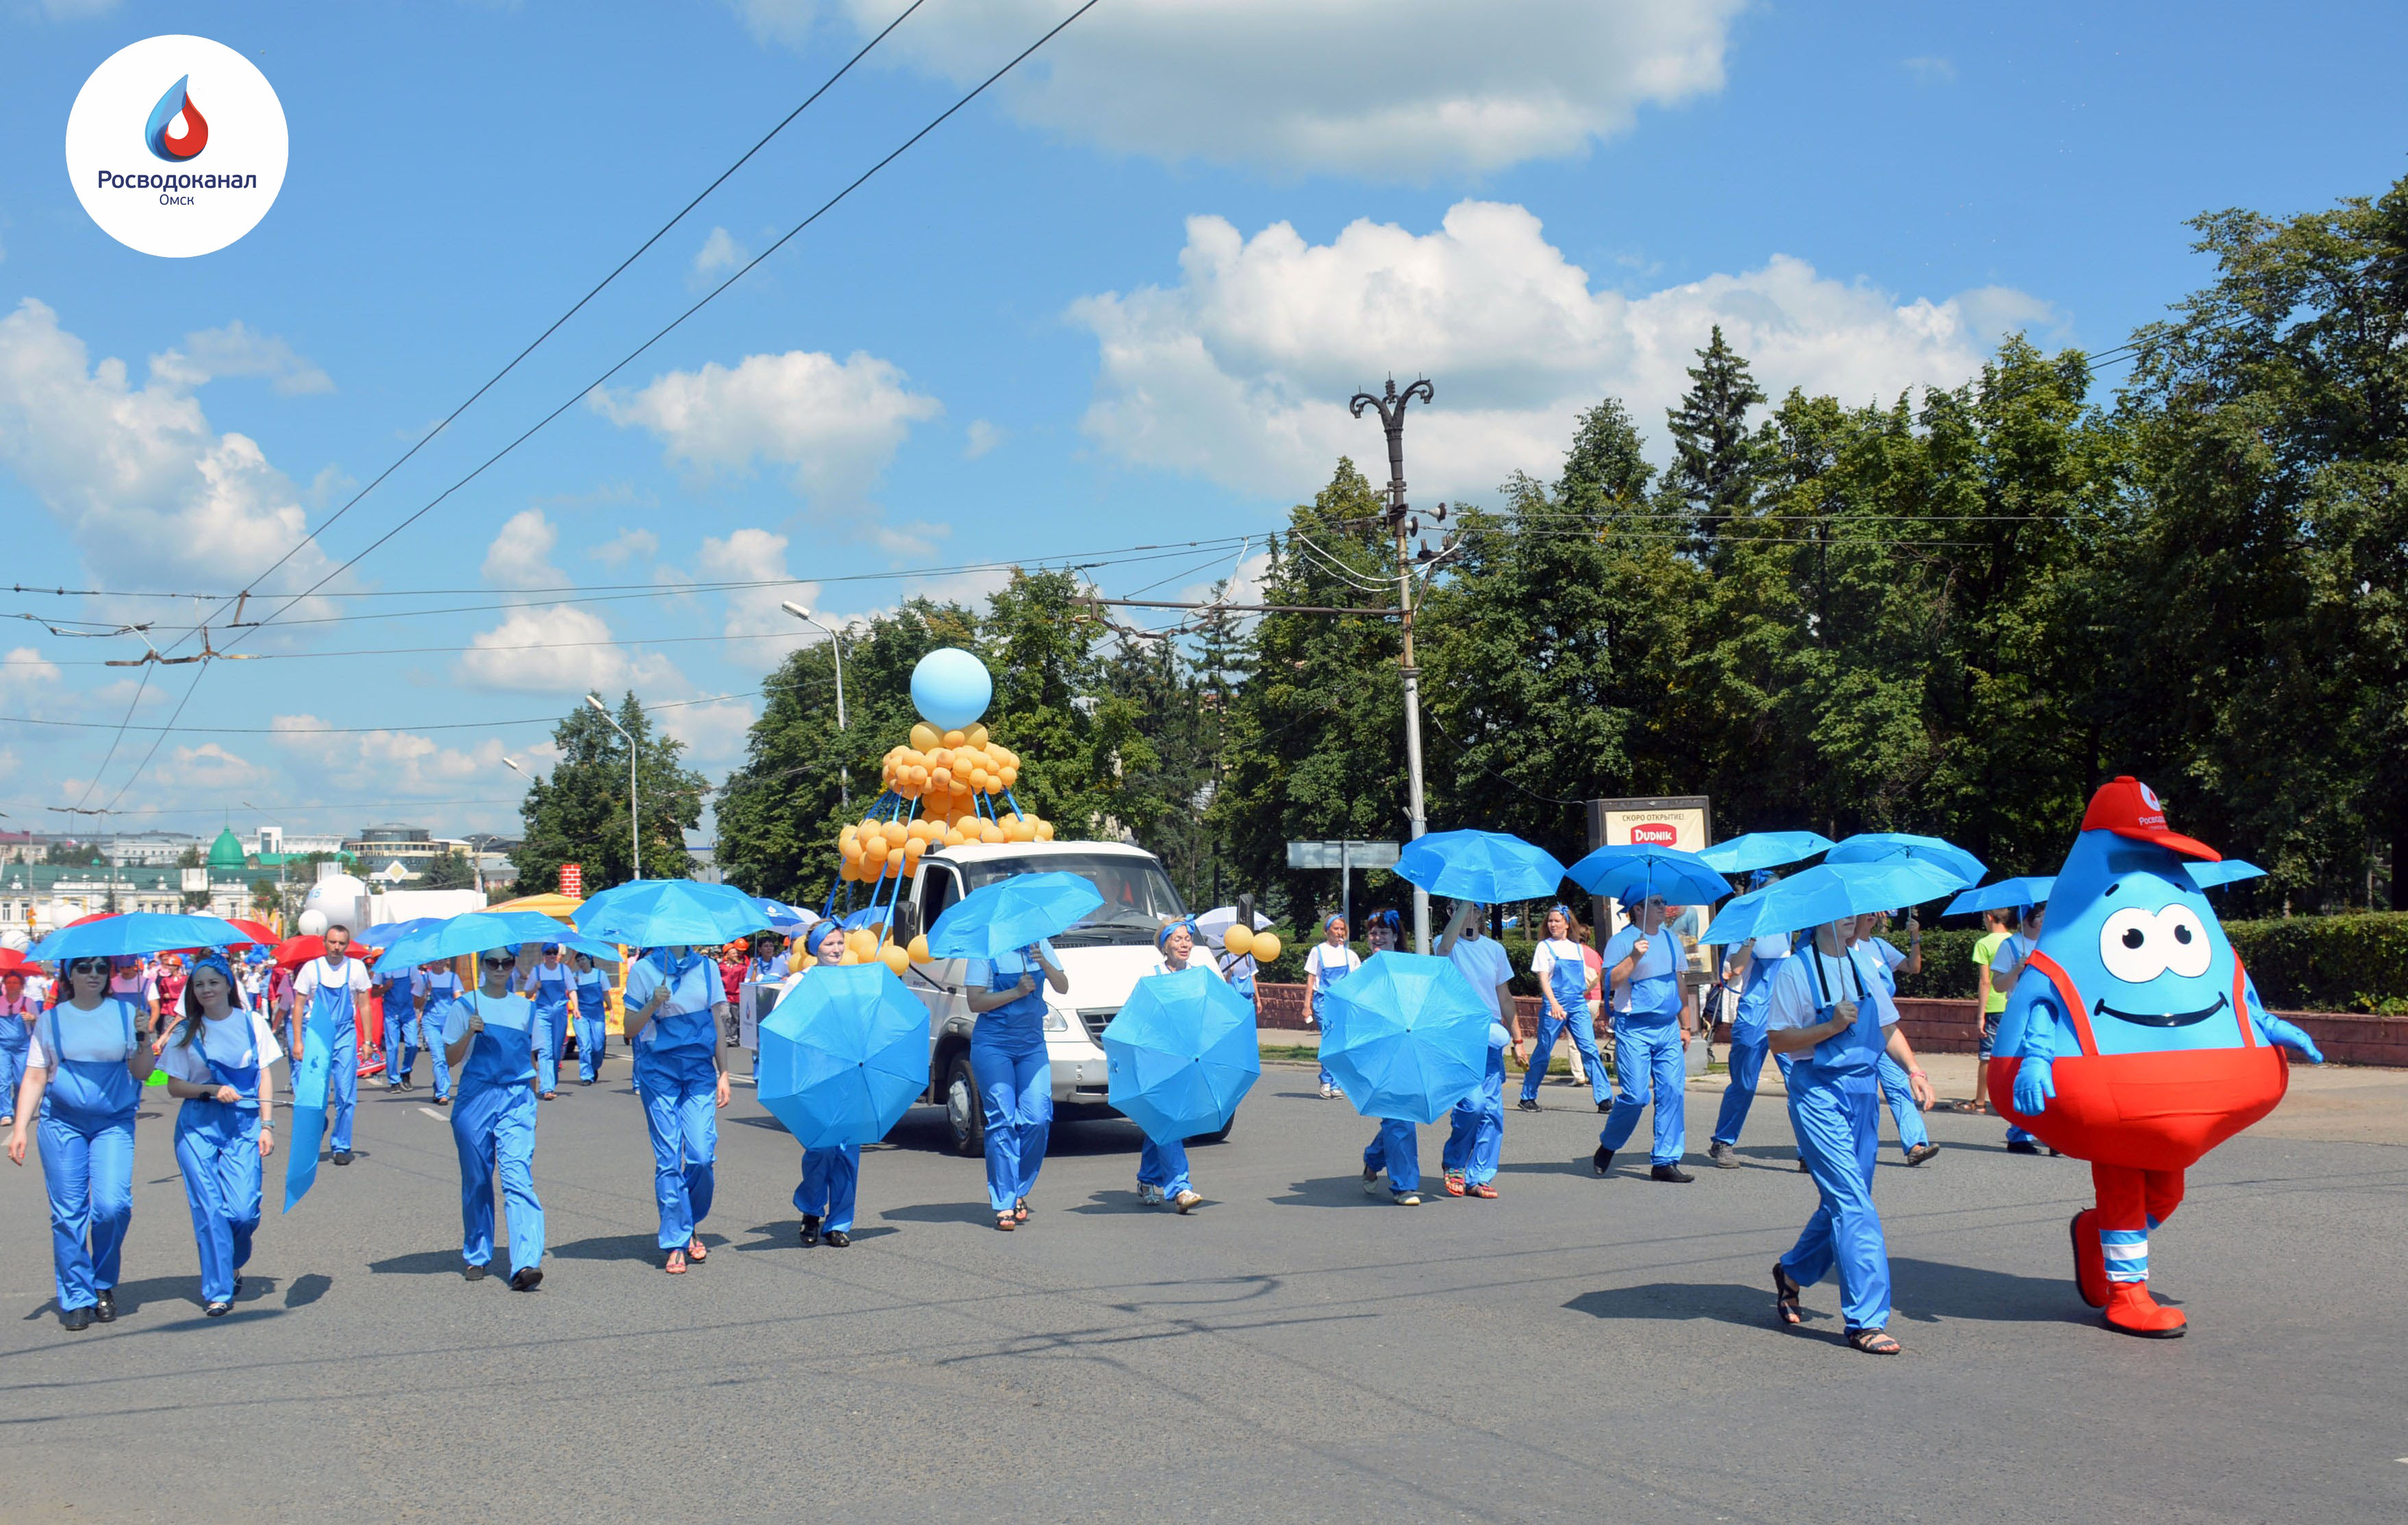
(673, 968)
(1162, 938)
(215, 958)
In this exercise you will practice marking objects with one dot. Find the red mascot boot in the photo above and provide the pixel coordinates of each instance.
(2130, 1310)
(2090, 1260)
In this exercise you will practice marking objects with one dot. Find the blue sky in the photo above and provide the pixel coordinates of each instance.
(1119, 302)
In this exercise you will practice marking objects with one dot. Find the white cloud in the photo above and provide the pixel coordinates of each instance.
(719, 256)
(835, 424)
(982, 437)
(207, 768)
(1244, 371)
(521, 554)
(147, 491)
(26, 675)
(626, 546)
(1930, 71)
(1395, 88)
(750, 555)
(385, 764)
(713, 733)
(76, 10)
(561, 650)
(236, 351)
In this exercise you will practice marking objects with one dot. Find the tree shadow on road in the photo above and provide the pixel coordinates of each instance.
(644, 1246)
(307, 1289)
(1927, 1291)
(1725, 1302)
(977, 1213)
(420, 1263)
(1335, 1191)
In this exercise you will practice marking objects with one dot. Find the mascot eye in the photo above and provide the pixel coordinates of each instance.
(2133, 946)
(2183, 938)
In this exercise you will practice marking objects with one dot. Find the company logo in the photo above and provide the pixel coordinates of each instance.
(159, 201)
(1655, 834)
(2151, 796)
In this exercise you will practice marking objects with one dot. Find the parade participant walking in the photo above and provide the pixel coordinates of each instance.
(2006, 967)
(1162, 1163)
(130, 979)
(1397, 1148)
(84, 1071)
(673, 1010)
(1652, 1023)
(831, 1177)
(1896, 1088)
(1330, 961)
(333, 986)
(167, 980)
(768, 963)
(435, 988)
(17, 1010)
(548, 984)
(1562, 974)
(1475, 1139)
(1752, 966)
(1015, 1079)
(217, 1060)
(1998, 924)
(1822, 1011)
(491, 1036)
(402, 1029)
(592, 1017)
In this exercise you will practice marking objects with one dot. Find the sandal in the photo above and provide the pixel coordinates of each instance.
(1019, 1210)
(1784, 1295)
(677, 1263)
(696, 1253)
(1005, 1223)
(1874, 1341)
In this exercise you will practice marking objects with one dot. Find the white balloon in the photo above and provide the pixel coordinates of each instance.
(312, 924)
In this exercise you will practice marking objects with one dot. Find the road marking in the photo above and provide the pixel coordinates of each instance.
(438, 1117)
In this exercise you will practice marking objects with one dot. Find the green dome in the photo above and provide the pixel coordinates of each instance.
(226, 851)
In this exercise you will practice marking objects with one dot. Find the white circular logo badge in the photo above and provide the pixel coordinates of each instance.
(177, 146)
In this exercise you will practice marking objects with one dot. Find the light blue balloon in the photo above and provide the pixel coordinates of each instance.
(950, 688)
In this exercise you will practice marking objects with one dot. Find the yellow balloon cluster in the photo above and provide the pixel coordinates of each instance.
(1240, 942)
(947, 771)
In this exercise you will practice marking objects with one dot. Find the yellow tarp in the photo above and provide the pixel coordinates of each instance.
(555, 906)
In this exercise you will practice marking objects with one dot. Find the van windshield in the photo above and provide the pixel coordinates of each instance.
(1138, 897)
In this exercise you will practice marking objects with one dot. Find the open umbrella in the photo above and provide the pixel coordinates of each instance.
(2006, 895)
(475, 931)
(384, 934)
(2210, 875)
(1011, 914)
(843, 1055)
(1764, 850)
(1182, 1052)
(1488, 867)
(11, 959)
(293, 952)
(259, 932)
(135, 932)
(1826, 892)
(1211, 926)
(1406, 1036)
(1885, 846)
(669, 913)
(1630, 874)
(783, 919)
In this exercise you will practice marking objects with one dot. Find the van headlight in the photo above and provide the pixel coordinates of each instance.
(1055, 1021)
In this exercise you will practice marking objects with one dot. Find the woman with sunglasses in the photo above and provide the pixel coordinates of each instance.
(831, 1177)
(674, 1010)
(491, 1036)
(84, 1071)
(217, 1062)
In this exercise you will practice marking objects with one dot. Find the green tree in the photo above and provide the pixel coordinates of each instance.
(578, 813)
(449, 870)
(1715, 459)
(1090, 768)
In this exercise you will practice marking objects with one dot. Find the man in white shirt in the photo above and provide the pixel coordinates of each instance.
(329, 994)
(1475, 1142)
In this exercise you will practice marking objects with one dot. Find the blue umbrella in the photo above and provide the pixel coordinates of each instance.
(669, 913)
(1885, 846)
(2006, 895)
(476, 930)
(2209, 875)
(843, 1055)
(1826, 892)
(1488, 867)
(1011, 914)
(1764, 850)
(1406, 1036)
(783, 917)
(136, 933)
(384, 934)
(1630, 874)
(1182, 1051)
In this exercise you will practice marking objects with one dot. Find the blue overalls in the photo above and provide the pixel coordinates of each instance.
(593, 1024)
(493, 1125)
(1568, 982)
(677, 1078)
(2018, 949)
(1647, 1053)
(15, 1043)
(87, 1145)
(1897, 1090)
(1325, 982)
(548, 988)
(1016, 1083)
(217, 1147)
(334, 1015)
(1748, 1046)
(1835, 1107)
(831, 1180)
(1475, 1142)
(443, 993)
(401, 1030)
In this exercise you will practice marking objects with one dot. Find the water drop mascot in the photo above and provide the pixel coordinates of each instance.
(831, 1177)
(2134, 1040)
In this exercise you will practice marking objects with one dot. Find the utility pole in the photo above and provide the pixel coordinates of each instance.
(634, 834)
(1391, 408)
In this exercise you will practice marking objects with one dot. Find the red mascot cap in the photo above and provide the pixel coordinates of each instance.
(2130, 808)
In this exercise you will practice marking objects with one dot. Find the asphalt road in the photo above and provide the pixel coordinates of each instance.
(1578, 1350)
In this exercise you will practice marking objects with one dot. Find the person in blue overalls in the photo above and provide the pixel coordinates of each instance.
(831, 1177)
(435, 989)
(217, 1062)
(491, 1036)
(1823, 1012)
(1330, 961)
(2006, 967)
(1162, 1163)
(1562, 972)
(401, 1028)
(1475, 1141)
(1896, 1080)
(768, 964)
(334, 987)
(17, 1010)
(1754, 966)
(1652, 1018)
(84, 1071)
(548, 984)
(1008, 1060)
(673, 1008)
(592, 1017)
(1397, 1148)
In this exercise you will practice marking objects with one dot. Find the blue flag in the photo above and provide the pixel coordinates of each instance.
(309, 1075)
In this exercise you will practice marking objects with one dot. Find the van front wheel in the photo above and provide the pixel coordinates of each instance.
(962, 1110)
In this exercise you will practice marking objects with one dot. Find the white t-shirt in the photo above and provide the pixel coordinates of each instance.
(435, 984)
(1162, 965)
(1003, 970)
(315, 973)
(1796, 997)
(1551, 952)
(98, 1036)
(1330, 965)
(1485, 964)
(232, 1041)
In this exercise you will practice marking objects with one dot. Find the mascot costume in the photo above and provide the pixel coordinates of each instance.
(2134, 1040)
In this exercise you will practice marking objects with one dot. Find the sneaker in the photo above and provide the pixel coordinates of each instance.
(1602, 1160)
(1148, 1195)
(1722, 1156)
(1184, 1200)
(1922, 1152)
(1454, 1183)
(1327, 1092)
(1672, 1173)
(1370, 1182)
(526, 1278)
(342, 1157)
(2022, 1147)
(1528, 1104)
(1483, 1188)
(1406, 1199)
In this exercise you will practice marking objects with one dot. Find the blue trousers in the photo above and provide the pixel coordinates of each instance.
(400, 1043)
(1899, 1093)
(88, 1174)
(1016, 1093)
(1475, 1139)
(1583, 1029)
(1395, 1148)
(1163, 1165)
(593, 1037)
(1838, 1136)
(343, 1085)
(12, 1072)
(551, 1038)
(493, 1128)
(831, 1179)
(1319, 1002)
(1748, 1048)
(1647, 1062)
(679, 1090)
(217, 1147)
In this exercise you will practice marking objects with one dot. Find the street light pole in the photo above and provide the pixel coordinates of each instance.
(1391, 407)
(635, 835)
(835, 644)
